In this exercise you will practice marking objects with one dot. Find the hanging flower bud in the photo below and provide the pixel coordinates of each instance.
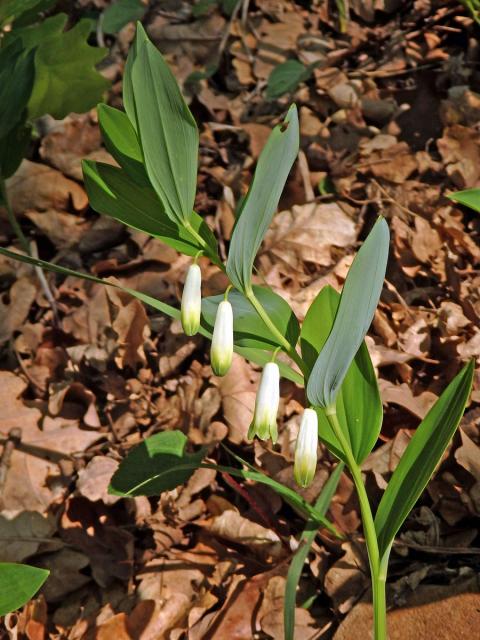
(306, 449)
(192, 300)
(221, 351)
(264, 423)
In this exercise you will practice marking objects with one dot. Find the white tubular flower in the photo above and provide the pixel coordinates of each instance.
(221, 351)
(192, 300)
(264, 423)
(306, 449)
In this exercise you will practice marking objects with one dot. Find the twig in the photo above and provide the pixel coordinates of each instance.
(13, 440)
(44, 284)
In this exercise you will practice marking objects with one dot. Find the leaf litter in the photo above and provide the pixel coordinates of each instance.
(388, 114)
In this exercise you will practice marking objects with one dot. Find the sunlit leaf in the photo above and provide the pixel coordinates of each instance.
(167, 131)
(469, 197)
(358, 403)
(160, 463)
(422, 455)
(66, 80)
(261, 202)
(359, 299)
(18, 584)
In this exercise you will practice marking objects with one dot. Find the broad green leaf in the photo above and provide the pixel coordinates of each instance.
(31, 12)
(248, 328)
(112, 193)
(10, 9)
(422, 455)
(358, 403)
(33, 35)
(18, 584)
(359, 299)
(167, 131)
(306, 540)
(121, 141)
(255, 355)
(469, 197)
(286, 77)
(120, 13)
(13, 148)
(17, 73)
(262, 199)
(128, 94)
(160, 463)
(65, 77)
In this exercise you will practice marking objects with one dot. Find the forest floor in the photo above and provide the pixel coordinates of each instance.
(389, 119)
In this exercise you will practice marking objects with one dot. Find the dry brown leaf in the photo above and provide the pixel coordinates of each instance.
(235, 528)
(69, 141)
(25, 534)
(307, 234)
(238, 389)
(93, 481)
(460, 151)
(13, 315)
(39, 187)
(63, 229)
(346, 580)
(402, 395)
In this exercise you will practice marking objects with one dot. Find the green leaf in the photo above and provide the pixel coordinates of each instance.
(306, 540)
(18, 584)
(248, 328)
(358, 403)
(10, 9)
(13, 148)
(31, 11)
(121, 141)
(286, 77)
(167, 131)
(17, 75)
(469, 197)
(112, 193)
(128, 94)
(359, 299)
(420, 458)
(120, 13)
(65, 77)
(262, 199)
(158, 464)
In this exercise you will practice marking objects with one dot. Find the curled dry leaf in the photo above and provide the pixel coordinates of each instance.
(235, 528)
(93, 481)
(39, 187)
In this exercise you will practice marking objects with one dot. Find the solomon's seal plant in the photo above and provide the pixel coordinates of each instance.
(155, 143)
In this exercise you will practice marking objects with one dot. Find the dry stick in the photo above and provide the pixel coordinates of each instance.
(29, 248)
(13, 440)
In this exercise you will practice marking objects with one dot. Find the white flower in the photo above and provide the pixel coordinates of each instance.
(306, 449)
(221, 351)
(192, 300)
(264, 423)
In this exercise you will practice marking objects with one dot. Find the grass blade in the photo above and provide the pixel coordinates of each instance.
(306, 541)
(422, 455)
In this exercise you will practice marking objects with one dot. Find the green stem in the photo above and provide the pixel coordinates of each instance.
(12, 218)
(287, 347)
(378, 566)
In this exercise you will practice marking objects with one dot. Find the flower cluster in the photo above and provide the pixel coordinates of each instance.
(264, 424)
